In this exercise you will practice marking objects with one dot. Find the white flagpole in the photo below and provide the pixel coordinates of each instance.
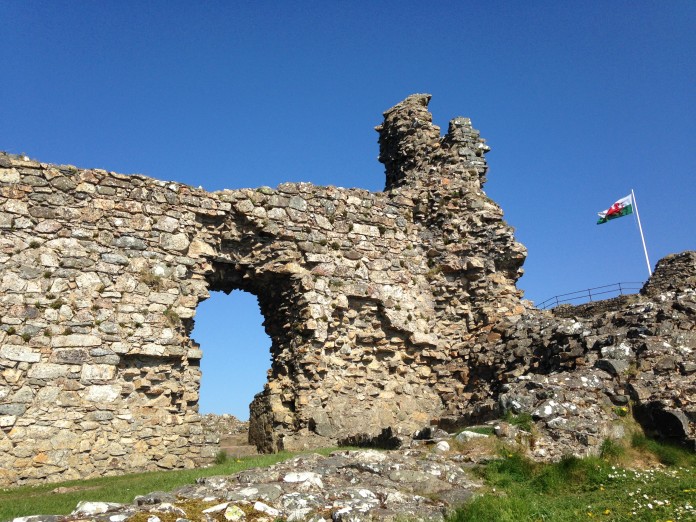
(640, 228)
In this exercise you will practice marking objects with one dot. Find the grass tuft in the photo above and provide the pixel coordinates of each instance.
(523, 420)
(513, 468)
(612, 450)
(221, 457)
(483, 430)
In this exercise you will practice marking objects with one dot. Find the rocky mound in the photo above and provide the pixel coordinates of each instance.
(221, 426)
(345, 486)
(580, 370)
(231, 434)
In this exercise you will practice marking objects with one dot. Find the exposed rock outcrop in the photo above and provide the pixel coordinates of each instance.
(579, 374)
(344, 486)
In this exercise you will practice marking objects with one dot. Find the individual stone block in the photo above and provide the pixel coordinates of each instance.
(19, 353)
(103, 393)
(48, 371)
(76, 340)
(97, 372)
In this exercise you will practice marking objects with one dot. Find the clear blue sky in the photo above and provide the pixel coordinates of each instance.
(580, 102)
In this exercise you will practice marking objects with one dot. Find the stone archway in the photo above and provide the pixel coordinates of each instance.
(236, 353)
(277, 297)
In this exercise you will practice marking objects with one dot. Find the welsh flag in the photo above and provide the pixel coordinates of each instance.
(623, 207)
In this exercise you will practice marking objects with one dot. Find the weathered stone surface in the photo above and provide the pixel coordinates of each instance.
(98, 372)
(76, 340)
(613, 366)
(94, 508)
(346, 485)
(48, 371)
(103, 393)
(574, 370)
(387, 312)
(19, 353)
(466, 436)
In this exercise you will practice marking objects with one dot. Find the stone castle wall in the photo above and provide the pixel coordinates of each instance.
(370, 300)
(387, 312)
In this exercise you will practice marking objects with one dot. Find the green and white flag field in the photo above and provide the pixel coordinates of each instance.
(622, 207)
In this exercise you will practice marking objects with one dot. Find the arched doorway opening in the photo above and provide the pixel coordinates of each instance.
(236, 352)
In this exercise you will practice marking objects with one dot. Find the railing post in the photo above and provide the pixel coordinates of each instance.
(620, 291)
(589, 293)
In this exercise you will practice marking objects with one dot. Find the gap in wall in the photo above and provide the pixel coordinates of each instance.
(236, 352)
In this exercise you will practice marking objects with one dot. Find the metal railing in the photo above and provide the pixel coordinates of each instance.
(598, 293)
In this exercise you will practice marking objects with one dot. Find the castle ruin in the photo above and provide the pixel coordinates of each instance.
(388, 312)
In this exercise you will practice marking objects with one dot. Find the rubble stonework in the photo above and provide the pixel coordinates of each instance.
(365, 485)
(578, 370)
(387, 311)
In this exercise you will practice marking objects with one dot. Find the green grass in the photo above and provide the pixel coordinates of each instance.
(523, 420)
(39, 500)
(519, 490)
(612, 450)
(667, 454)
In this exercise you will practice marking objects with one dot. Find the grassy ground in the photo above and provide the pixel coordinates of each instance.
(641, 481)
(644, 482)
(61, 498)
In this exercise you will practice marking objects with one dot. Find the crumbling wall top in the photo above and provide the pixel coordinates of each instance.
(415, 154)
